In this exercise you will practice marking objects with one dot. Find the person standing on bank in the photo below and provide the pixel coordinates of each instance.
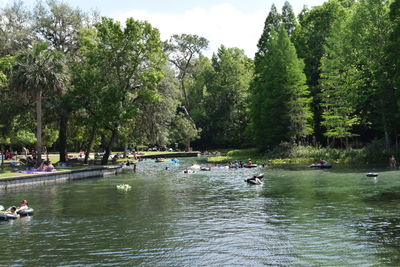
(392, 162)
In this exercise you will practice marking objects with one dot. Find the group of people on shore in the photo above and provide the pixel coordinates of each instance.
(32, 165)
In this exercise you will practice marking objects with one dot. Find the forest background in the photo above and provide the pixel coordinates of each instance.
(323, 84)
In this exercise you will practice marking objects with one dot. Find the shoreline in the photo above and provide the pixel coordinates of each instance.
(57, 177)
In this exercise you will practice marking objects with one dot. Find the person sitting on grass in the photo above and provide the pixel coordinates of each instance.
(30, 162)
(46, 166)
(50, 167)
(324, 163)
(115, 158)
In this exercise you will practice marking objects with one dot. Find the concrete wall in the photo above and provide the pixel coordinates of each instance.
(56, 177)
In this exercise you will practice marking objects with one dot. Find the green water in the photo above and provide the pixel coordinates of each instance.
(298, 217)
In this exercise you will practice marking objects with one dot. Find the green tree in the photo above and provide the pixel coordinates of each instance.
(182, 52)
(393, 52)
(310, 38)
(280, 105)
(59, 24)
(356, 71)
(288, 18)
(183, 130)
(339, 116)
(122, 68)
(153, 125)
(272, 22)
(226, 103)
(7, 99)
(15, 28)
(22, 128)
(36, 71)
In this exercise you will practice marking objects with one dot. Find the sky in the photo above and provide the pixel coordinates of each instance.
(232, 23)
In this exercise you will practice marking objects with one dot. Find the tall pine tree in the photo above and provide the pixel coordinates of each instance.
(280, 106)
(315, 26)
(272, 22)
(337, 82)
(288, 18)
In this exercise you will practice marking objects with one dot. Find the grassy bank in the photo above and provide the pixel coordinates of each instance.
(373, 154)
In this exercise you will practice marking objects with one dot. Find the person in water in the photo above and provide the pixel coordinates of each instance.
(24, 206)
(236, 164)
(13, 211)
(249, 162)
(188, 171)
(254, 180)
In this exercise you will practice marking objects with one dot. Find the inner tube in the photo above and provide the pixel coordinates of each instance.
(250, 165)
(319, 166)
(254, 182)
(27, 212)
(6, 217)
(372, 174)
(205, 169)
(253, 179)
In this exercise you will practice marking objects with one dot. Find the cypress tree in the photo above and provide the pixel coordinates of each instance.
(272, 22)
(288, 18)
(281, 102)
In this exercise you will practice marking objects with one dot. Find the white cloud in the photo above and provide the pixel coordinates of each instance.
(220, 24)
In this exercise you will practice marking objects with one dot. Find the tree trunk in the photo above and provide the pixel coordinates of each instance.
(188, 146)
(39, 126)
(125, 150)
(62, 137)
(2, 156)
(184, 93)
(89, 148)
(107, 153)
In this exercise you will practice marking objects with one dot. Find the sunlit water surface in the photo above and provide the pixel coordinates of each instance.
(298, 217)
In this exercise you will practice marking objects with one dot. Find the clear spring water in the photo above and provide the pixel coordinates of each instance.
(298, 217)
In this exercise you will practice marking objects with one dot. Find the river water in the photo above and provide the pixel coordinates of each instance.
(299, 217)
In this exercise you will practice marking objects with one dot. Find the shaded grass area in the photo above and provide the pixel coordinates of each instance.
(11, 172)
(8, 173)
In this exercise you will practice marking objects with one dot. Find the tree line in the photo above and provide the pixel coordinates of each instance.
(73, 80)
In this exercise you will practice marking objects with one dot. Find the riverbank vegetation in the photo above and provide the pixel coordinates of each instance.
(289, 154)
(319, 86)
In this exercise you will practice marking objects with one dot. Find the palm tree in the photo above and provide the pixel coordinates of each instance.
(37, 70)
